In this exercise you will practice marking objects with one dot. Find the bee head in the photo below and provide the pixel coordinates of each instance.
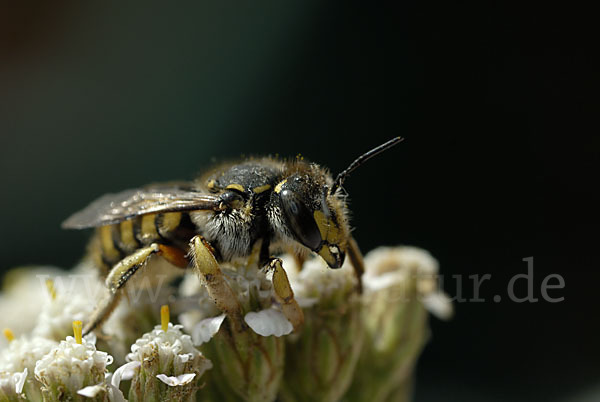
(314, 217)
(314, 212)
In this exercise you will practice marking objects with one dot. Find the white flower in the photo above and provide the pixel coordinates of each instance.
(22, 299)
(399, 268)
(173, 347)
(11, 385)
(76, 298)
(72, 367)
(171, 358)
(24, 352)
(317, 282)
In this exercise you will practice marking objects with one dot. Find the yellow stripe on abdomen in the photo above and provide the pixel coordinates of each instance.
(108, 245)
(168, 223)
(127, 236)
(148, 232)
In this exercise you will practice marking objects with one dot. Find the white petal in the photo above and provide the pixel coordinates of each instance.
(91, 338)
(269, 322)
(307, 302)
(115, 394)
(125, 372)
(176, 381)
(91, 390)
(206, 329)
(374, 283)
(439, 305)
(20, 380)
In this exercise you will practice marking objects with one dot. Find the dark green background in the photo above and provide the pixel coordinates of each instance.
(495, 102)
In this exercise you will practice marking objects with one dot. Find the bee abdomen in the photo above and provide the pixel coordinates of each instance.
(121, 239)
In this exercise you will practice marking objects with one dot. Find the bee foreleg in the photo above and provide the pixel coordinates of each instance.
(118, 276)
(285, 295)
(356, 259)
(218, 289)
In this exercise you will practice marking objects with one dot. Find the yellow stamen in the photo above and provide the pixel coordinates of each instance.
(164, 317)
(51, 289)
(77, 331)
(9, 334)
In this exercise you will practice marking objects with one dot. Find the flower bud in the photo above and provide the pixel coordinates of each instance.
(398, 284)
(321, 359)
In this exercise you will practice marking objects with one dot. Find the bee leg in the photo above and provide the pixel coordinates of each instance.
(356, 259)
(285, 295)
(218, 289)
(116, 279)
(122, 271)
(299, 259)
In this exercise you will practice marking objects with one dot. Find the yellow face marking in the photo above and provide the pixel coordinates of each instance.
(329, 230)
(325, 253)
(170, 221)
(279, 185)
(211, 185)
(127, 236)
(149, 232)
(106, 240)
(236, 186)
(261, 189)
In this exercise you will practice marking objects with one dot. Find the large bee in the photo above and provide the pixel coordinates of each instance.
(265, 204)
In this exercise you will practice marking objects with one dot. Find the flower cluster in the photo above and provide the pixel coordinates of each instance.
(358, 339)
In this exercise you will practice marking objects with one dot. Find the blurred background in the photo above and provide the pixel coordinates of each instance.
(497, 103)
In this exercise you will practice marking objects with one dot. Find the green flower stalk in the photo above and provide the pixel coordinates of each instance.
(170, 366)
(400, 284)
(321, 359)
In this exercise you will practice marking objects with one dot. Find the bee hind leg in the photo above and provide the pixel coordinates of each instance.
(122, 271)
(284, 294)
(218, 289)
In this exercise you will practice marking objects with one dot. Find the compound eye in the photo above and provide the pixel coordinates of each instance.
(300, 220)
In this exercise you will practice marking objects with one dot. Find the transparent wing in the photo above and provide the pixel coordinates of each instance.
(114, 208)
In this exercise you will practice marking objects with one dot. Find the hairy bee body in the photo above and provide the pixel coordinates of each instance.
(267, 205)
(250, 210)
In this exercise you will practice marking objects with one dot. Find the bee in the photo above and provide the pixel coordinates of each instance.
(262, 204)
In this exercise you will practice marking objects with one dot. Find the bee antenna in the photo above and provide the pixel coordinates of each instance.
(339, 180)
